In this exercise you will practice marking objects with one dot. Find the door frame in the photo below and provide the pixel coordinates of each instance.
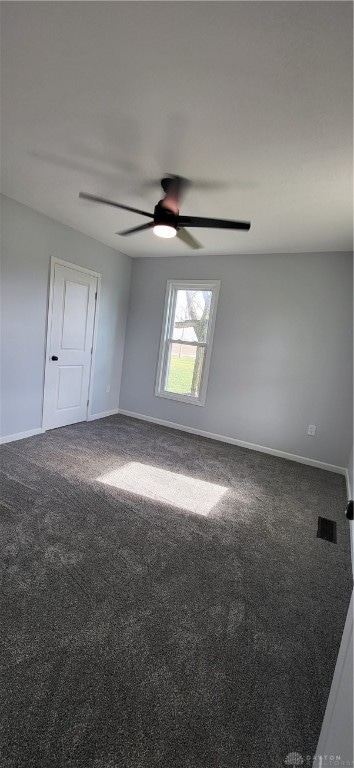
(53, 262)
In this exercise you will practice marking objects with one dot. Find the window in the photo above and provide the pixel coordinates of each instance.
(186, 340)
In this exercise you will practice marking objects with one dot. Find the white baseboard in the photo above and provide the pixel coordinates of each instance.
(21, 435)
(202, 433)
(241, 443)
(40, 430)
(94, 416)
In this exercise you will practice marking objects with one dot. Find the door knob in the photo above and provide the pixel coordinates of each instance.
(54, 357)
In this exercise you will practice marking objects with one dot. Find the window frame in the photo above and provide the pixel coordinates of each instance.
(172, 287)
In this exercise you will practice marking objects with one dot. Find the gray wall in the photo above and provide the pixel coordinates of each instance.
(28, 241)
(282, 354)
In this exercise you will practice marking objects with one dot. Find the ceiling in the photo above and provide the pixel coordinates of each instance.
(251, 100)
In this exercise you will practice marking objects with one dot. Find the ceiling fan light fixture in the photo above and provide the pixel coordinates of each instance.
(164, 230)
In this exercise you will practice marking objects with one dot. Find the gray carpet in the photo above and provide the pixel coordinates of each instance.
(141, 634)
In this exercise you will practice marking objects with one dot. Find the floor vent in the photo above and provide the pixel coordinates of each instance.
(327, 529)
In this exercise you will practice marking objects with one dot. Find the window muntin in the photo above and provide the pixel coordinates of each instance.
(186, 340)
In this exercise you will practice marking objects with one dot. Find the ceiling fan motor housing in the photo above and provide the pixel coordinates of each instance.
(163, 215)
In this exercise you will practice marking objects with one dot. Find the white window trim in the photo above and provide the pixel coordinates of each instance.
(169, 309)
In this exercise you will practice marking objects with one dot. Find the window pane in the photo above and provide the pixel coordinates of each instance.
(184, 369)
(191, 318)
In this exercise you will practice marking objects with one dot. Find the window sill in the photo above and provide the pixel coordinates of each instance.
(181, 398)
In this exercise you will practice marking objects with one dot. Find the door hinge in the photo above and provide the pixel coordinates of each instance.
(96, 296)
(91, 350)
(87, 402)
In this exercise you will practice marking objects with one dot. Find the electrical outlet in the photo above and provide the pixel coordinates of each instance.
(108, 388)
(312, 429)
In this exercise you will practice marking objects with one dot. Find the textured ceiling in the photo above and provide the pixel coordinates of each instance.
(251, 100)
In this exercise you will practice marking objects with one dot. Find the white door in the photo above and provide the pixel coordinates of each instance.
(69, 348)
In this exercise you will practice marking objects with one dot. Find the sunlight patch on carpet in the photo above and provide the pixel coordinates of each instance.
(172, 488)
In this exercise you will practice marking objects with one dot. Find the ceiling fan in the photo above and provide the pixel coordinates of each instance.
(166, 220)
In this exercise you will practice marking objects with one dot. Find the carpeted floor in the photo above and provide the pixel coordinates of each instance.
(198, 630)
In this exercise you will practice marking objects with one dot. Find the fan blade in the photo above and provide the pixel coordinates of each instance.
(87, 196)
(199, 221)
(136, 229)
(187, 238)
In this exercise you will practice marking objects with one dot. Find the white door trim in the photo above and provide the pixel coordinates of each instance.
(53, 262)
